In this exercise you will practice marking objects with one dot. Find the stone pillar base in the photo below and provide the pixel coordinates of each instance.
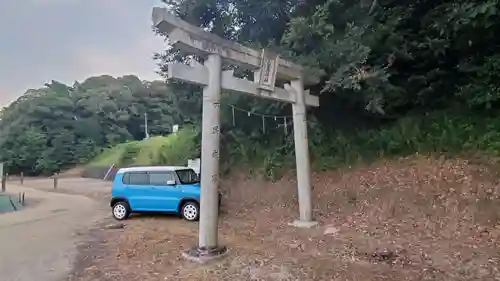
(303, 224)
(204, 255)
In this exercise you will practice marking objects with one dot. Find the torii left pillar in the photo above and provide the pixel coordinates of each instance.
(208, 241)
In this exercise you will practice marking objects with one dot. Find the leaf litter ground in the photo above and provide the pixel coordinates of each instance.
(417, 218)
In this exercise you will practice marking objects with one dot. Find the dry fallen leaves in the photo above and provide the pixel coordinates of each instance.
(415, 218)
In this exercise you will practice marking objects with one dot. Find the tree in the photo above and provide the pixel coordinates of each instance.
(59, 125)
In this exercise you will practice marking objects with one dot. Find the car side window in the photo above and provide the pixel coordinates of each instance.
(126, 178)
(138, 178)
(160, 178)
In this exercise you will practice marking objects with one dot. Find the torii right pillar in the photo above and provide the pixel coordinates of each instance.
(303, 164)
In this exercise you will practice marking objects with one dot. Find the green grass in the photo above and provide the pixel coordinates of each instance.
(109, 156)
(174, 149)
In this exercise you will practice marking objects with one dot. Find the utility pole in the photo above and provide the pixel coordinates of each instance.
(146, 125)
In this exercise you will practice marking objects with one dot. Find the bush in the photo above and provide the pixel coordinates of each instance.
(129, 154)
(440, 132)
(180, 147)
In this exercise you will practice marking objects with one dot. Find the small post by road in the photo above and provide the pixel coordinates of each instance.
(56, 178)
(2, 177)
(4, 183)
(22, 178)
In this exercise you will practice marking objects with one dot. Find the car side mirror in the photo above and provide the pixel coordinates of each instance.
(170, 182)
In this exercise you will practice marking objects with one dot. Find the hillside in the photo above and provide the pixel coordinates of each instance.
(59, 126)
(174, 149)
(440, 133)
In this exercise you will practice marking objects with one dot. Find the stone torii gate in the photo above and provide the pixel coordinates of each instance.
(267, 67)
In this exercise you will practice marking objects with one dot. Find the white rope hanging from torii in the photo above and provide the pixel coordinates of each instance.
(287, 120)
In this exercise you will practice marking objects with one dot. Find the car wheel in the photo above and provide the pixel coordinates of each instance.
(191, 211)
(121, 210)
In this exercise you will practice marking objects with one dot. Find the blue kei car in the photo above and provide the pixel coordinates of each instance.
(165, 189)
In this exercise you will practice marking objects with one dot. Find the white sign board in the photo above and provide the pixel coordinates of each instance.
(195, 164)
(268, 70)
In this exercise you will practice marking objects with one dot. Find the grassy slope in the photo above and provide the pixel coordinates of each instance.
(173, 149)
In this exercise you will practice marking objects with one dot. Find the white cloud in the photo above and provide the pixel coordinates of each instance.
(135, 58)
(72, 40)
(53, 2)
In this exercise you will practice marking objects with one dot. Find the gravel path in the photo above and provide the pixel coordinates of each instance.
(40, 242)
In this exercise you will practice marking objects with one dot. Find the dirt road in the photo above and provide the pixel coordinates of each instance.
(39, 243)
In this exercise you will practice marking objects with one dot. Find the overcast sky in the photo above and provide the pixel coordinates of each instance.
(68, 40)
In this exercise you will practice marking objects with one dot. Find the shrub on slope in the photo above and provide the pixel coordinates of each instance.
(174, 149)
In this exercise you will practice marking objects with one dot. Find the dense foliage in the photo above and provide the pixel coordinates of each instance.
(59, 125)
(395, 57)
(399, 77)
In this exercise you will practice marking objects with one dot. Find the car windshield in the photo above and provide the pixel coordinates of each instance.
(187, 176)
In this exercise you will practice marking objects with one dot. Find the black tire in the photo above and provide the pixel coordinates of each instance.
(121, 210)
(190, 211)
